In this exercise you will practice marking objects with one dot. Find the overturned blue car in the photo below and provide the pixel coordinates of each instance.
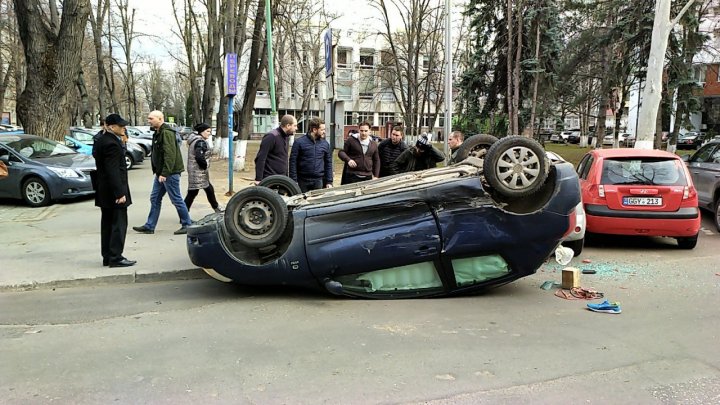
(492, 218)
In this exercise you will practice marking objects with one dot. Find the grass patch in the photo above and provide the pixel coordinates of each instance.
(571, 153)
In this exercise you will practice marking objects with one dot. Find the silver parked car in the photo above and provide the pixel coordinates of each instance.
(704, 166)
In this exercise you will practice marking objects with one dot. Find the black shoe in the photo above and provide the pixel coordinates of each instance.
(143, 229)
(181, 231)
(123, 263)
(106, 262)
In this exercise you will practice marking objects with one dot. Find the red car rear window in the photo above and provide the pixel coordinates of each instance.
(646, 171)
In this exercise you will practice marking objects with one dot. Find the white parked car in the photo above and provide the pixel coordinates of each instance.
(576, 239)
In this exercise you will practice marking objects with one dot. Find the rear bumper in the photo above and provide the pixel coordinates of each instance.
(681, 223)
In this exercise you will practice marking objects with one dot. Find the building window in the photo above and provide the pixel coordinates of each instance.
(349, 118)
(367, 59)
(366, 85)
(344, 91)
(344, 58)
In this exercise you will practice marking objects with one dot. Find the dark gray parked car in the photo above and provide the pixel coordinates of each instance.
(704, 166)
(41, 170)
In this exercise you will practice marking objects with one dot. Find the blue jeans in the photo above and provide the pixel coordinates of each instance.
(171, 186)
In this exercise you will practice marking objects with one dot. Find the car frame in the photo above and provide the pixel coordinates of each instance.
(575, 240)
(43, 179)
(616, 206)
(704, 167)
(438, 232)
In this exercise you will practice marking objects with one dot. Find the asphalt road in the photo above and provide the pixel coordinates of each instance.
(207, 342)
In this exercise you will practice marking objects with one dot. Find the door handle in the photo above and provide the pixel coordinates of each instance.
(425, 250)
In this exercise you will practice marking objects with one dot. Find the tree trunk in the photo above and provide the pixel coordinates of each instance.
(509, 64)
(44, 107)
(97, 23)
(652, 94)
(258, 61)
(535, 81)
(516, 71)
(87, 116)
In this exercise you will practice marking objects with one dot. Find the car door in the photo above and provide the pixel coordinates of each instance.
(380, 245)
(704, 168)
(10, 185)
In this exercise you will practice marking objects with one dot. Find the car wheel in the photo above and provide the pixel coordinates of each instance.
(516, 166)
(576, 246)
(129, 162)
(475, 146)
(256, 216)
(35, 192)
(283, 185)
(717, 215)
(687, 243)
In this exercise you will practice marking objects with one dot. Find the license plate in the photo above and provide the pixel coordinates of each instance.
(642, 200)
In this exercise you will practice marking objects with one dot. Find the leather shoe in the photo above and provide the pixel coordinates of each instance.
(123, 263)
(106, 262)
(181, 231)
(143, 229)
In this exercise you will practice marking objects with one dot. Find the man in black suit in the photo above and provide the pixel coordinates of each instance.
(112, 194)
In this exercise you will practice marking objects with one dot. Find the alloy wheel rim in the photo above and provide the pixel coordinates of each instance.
(35, 192)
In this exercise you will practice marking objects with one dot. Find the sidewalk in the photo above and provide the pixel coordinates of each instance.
(59, 245)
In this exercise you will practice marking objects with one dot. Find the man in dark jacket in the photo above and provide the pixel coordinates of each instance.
(360, 154)
(167, 164)
(455, 139)
(311, 159)
(389, 150)
(419, 157)
(112, 194)
(272, 157)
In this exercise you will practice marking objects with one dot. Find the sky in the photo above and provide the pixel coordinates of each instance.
(153, 17)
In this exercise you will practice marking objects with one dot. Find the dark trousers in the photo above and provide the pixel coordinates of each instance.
(113, 228)
(350, 178)
(310, 184)
(209, 191)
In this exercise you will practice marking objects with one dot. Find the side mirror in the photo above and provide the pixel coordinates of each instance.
(5, 159)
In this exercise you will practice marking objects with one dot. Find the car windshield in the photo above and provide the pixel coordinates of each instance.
(39, 148)
(645, 171)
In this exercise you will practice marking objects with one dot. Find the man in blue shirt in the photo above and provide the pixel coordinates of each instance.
(311, 159)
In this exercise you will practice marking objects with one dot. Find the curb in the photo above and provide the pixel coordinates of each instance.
(135, 278)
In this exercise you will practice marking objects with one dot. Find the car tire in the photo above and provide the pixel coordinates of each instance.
(283, 185)
(35, 192)
(687, 243)
(717, 215)
(576, 246)
(256, 216)
(516, 166)
(475, 146)
(129, 161)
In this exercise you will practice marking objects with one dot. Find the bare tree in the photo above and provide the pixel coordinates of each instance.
(97, 23)
(10, 48)
(128, 35)
(52, 46)
(403, 64)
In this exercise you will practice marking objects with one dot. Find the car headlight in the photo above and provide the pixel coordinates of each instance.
(64, 172)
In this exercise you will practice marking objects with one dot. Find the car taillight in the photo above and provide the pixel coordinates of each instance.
(601, 191)
(686, 193)
(572, 217)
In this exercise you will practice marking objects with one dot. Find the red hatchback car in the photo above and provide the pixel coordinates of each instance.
(639, 192)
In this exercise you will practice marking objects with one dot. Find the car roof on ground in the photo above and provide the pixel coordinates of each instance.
(632, 152)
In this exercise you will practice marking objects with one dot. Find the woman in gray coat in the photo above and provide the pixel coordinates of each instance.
(197, 166)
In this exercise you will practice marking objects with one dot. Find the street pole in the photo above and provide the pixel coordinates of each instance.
(271, 64)
(448, 76)
(231, 86)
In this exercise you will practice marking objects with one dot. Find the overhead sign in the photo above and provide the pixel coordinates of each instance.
(328, 53)
(231, 74)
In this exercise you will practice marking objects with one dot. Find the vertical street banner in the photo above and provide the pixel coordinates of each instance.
(328, 53)
(231, 74)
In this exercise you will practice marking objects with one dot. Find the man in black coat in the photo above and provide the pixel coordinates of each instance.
(113, 193)
(389, 150)
(272, 157)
